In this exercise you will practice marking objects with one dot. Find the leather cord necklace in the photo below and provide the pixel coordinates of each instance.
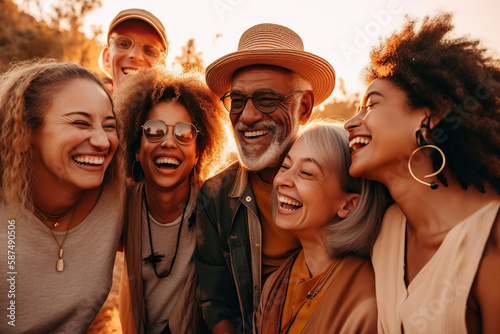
(153, 258)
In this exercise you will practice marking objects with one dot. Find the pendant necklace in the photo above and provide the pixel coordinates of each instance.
(45, 218)
(55, 219)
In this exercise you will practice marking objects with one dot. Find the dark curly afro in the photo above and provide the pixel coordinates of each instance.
(144, 90)
(459, 83)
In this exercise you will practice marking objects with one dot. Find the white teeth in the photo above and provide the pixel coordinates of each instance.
(89, 160)
(358, 140)
(256, 133)
(170, 161)
(130, 71)
(290, 201)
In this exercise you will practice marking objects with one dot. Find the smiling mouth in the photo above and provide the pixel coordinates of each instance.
(255, 134)
(128, 71)
(358, 143)
(89, 160)
(170, 163)
(288, 204)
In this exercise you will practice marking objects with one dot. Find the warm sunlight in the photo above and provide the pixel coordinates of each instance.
(74, 111)
(340, 31)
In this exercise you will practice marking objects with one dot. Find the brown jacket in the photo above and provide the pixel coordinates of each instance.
(348, 306)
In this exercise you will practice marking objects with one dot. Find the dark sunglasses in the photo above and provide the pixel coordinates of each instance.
(265, 100)
(155, 131)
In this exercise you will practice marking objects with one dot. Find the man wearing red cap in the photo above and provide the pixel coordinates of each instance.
(136, 40)
(269, 87)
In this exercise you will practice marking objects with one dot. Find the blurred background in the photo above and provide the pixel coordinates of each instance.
(200, 31)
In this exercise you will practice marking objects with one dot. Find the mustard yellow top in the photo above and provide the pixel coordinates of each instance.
(300, 284)
(345, 305)
(277, 244)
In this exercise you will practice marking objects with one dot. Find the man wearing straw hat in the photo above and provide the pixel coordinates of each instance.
(136, 40)
(269, 87)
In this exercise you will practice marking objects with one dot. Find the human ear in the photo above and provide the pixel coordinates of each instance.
(306, 107)
(105, 57)
(436, 118)
(350, 203)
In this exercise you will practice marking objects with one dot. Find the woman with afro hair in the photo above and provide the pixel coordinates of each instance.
(428, 127)
(175, 138)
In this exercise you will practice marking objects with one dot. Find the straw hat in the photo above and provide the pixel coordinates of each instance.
(273, 44)
(143, 15)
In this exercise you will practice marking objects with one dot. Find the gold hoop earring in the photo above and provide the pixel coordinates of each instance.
(435, 184)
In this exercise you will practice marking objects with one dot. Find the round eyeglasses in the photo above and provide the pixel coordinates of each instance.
(265, 100)
(125, 43)
(184, 132)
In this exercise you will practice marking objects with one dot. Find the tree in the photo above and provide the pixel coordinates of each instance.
(190, 58)
(71, 13)
(56, 35)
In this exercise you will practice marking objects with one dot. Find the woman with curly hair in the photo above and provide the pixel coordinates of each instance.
(428, 128)
(60, 208)
(175, 139)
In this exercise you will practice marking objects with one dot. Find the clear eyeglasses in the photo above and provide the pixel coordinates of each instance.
(125, 43)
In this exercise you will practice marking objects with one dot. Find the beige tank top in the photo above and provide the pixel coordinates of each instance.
(435, 300)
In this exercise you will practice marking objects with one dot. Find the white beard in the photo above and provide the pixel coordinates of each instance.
(274, 152)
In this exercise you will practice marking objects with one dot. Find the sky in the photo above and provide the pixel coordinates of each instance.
(342, 32)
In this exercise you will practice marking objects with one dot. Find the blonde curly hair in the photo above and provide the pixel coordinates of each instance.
(26, 92)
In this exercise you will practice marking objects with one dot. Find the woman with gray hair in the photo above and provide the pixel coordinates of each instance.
(328, 286)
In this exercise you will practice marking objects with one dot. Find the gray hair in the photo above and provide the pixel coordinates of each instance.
(328, 144)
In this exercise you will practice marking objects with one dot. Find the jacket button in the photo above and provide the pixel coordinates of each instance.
(248, 199)
(257, 288)
(257, 246)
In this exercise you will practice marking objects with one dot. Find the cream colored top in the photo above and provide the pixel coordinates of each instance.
(435, 300)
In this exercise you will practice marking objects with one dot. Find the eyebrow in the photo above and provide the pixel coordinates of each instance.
(311, 160)
(374, 92)
(85, 114)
